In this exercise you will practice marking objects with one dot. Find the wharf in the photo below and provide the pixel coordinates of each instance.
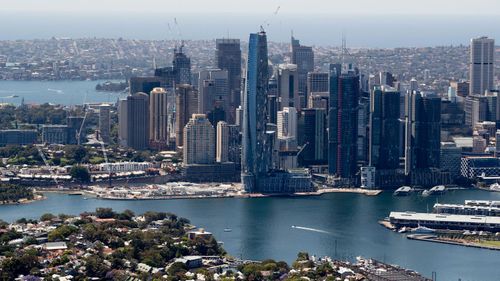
(435, 239)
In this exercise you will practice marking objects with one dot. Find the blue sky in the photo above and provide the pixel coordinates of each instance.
(376, 7)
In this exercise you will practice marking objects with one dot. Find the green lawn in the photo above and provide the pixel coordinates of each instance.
(490, 243)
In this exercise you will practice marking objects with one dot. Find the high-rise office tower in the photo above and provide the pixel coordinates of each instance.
(213, 94)
(343, 124)
(303, 57)
(222, 152)
(158, 118)
(104, 122)
(423, 131)
(313, 135)
(199, 141)
(256, 154)
(287, 123)
(228, 57)
(386, 78)
(482, 59)
(138, 121)
(288, 83)
(143, 84)
(384, 128)
(122, 122)
(318, 90)
(186, 104)
(181, 66)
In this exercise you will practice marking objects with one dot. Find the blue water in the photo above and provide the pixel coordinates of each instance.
(58, 92)
(262, 228)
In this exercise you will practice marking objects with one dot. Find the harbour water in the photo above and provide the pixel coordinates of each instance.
(60, 92)
(340, 225)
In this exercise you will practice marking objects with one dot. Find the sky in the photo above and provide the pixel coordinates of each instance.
(368, 7)
(365, 23)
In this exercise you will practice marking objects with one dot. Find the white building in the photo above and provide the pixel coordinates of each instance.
(222, 142)
(199, 141)
(158, 117)
(287, 123)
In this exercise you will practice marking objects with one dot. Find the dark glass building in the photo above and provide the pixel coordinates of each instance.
(138, 121)
(423, 131)
(343, 124)
(384, 128)
(256, 154)
(312, 136)
(228, 57)
(303, 57)
(181, 66)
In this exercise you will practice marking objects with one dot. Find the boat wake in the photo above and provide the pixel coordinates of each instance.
(55, 91)
(311, 229)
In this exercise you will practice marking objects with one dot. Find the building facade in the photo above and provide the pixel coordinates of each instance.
(481, 65)
(158, 118)
(138, 121)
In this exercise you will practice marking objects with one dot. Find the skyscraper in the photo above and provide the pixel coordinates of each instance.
(256, 154)
(122, 122)
(222, 152)
(318, 89)
(181, 66)
(384, 128)
(482, 59)
(287, 123)
(138, 121)
(288, 83)
(343, 124)
(104, 122)
(213, 94)
(199, 141)
(228, 57)
(313, 135)
(186, 104)
(423, 131)
(158, 118)
(303, 57)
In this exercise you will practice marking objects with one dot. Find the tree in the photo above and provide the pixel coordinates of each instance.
(75, 152)
(47, 217)
(80, 173)
(105, 213)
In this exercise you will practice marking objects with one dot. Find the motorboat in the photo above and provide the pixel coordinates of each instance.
(403, 191)
(423, 230)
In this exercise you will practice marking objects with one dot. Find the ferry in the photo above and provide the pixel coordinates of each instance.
(403, 191)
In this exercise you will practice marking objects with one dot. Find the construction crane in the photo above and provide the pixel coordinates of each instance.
(47, 165)
(79, 132)
(108, 166)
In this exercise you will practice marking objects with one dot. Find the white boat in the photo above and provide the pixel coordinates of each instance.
(227, 230)
(495, 187)
(403, 230)
(403, 191)
(423, 230)
(426, 193)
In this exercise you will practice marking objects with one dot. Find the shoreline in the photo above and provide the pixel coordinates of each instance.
(37, 197)
(320, 192)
